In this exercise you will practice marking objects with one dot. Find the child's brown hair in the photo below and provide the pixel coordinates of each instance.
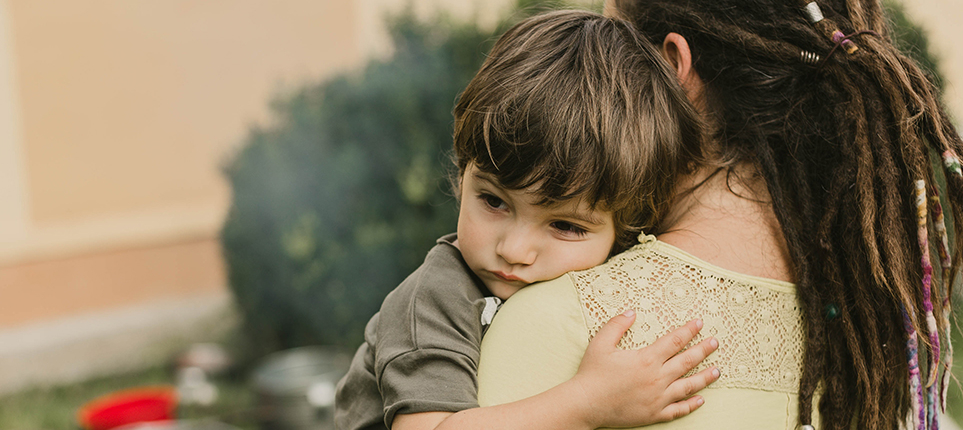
(577, 105)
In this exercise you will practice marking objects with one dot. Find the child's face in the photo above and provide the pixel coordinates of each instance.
(510, 242)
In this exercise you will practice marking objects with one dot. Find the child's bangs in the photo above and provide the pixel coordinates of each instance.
(554, 160)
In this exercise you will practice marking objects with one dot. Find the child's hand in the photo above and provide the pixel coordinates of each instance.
(640, 387)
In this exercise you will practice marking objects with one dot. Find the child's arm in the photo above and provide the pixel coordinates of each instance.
(612, 388)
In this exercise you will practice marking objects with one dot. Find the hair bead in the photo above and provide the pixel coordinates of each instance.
(813, 12)
(831, 311)
(810, 58)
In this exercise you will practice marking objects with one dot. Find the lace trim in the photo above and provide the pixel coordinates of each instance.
(758, 326)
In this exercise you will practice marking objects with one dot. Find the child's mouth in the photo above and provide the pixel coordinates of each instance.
(508, 277)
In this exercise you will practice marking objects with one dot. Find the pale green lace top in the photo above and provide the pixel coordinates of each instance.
(539, 335)
(667, 286)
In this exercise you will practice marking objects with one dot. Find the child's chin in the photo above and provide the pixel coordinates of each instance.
(504, 291)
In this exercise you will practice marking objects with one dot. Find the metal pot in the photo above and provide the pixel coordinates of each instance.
(295, 388)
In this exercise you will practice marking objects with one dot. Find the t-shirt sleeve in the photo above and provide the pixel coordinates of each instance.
(428, 343)
(429, 380)
(535, 342)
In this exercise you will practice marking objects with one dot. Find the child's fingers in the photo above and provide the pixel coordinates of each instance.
(615, 328)
(681, 408)
(669, 345)
(687, 360)
(685, 387)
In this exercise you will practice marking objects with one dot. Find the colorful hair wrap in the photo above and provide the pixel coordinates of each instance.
(841, 39)
(923, 240)
(952, 162)
(943, 247)
(939, 224)
(916, 389)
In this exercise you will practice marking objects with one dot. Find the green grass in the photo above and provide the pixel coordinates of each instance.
(55, 408)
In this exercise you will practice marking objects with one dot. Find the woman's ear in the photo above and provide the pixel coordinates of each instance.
(675, 50)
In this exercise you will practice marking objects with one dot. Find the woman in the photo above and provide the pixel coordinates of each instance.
(803, 238)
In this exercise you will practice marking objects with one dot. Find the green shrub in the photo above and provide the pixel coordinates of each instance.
(339, 200)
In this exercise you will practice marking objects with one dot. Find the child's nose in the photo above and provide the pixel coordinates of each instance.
(516, 248)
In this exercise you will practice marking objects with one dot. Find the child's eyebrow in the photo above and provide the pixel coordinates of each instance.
(592, 217)
(482, 176)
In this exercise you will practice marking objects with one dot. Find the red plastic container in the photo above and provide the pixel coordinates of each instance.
(135, 405)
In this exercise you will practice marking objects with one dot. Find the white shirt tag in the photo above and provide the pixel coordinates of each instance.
(491, 306)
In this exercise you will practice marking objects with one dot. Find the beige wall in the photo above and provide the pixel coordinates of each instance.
(120, 114)
(146, 97)
(115, 117)
(128, 108)
(56, 288)
(13, 209)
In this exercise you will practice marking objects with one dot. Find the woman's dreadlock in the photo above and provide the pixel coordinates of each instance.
(843, 138)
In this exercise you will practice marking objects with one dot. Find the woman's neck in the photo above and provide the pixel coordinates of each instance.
(728, 221)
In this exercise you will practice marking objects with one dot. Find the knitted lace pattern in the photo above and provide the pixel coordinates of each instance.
(756, 320)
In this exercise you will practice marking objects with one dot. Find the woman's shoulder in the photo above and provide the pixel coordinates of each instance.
(756, 319)
(549, 300)
(535, 342)
(659, 262)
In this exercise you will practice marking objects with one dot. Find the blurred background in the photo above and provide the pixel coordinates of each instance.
(201, 184)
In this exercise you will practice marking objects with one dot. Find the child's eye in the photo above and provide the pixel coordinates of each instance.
(567, 227)
(493, 202)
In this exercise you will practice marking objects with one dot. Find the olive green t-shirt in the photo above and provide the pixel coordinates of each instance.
(421, 350)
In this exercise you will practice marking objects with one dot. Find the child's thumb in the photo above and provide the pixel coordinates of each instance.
(615, 328)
